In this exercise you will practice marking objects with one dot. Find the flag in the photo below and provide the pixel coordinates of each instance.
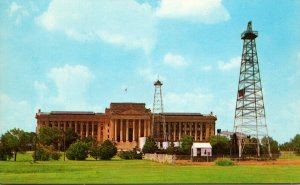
(241, 92)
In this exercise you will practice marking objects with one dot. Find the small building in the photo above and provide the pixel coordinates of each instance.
(201, 149)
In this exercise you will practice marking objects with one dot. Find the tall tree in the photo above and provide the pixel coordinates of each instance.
(15, 140)
(150, 146)
(50, 136)
(70, 137)
(186, 144)
(296, 143)
(220, 145)
(273, 146)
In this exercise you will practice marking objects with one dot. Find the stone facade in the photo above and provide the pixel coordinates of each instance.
(125, 123)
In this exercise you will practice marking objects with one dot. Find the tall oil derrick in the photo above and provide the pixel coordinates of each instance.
(250, 119)
(158, 118)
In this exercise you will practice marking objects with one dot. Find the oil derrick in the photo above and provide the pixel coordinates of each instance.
(158, 127)
(250, 120)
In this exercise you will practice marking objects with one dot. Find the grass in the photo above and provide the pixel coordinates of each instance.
(139, 171)
(289, 155)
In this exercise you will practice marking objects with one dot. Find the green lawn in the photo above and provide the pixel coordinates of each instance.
(140, 171)
(289, 155)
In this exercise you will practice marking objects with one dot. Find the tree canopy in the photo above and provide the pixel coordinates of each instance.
(150, 146)
(14, 141)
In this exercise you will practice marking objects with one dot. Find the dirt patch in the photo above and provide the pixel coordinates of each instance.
(277, 162)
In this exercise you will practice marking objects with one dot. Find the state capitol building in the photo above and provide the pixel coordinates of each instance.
(125, 123)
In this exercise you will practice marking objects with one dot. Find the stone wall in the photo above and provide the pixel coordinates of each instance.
(161, 158)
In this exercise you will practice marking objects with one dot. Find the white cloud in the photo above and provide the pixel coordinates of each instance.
(18, 12)
(204, 11)
(124, 23)
(15, 113)
(206, 68)
(175, 60)
(40, 85)
(14, 7)
(194, 101)
(149, 75)
(232, 64)
(72, 84)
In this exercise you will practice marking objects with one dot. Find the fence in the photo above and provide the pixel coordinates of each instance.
(161, 158)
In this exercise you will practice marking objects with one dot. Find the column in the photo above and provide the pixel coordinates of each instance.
(81, 130)
(116, 130)
(149, 127)
(169, 131)
(207, 131)
(111, 130)
(86, 129)
(99, 131)
(191, 128)
(121, 130)
(139, 129)
(65, 126)
(93, 129)
(145, 128)
(174, 131)
(185, 128)
(196, 131)
(179, 130)
(58, 125)
(133, 128)
(126, 130)
(76, 127)
(201, 128)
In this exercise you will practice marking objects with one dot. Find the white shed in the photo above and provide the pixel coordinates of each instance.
(201, 149)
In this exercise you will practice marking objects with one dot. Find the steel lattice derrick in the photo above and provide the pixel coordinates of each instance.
(158, 118)
(250, 116)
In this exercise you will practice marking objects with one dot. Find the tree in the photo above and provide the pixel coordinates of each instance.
(50, 136)
(70, 136)
(186, 144)
(77, 151)
(14, 141)
(95, 152)
(296, 143)
(220, 145)
(273, 146)
(150, 146)
(107, 150)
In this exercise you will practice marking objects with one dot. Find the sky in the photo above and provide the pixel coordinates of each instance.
(75, 55)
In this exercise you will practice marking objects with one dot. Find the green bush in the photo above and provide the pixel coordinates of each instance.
(127, 155)
(77, 151)
(224, 162)
(107, 150)
(95, 152)
(150, 146)
(41, 154)
(55, 155)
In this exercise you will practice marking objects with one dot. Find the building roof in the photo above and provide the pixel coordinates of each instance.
(201, 145)
(182, 114)
(70, 113)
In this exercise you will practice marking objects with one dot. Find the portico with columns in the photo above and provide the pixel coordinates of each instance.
(128, 122)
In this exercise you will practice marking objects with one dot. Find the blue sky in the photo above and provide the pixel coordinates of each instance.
(81, 55)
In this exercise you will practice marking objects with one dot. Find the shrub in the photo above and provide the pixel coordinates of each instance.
(130, 155)
(186, 144)
(55, 155)
(224, 162)
(107, 150)
(95, 152)
(150, 146)
(77, 151)
(41, 154)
